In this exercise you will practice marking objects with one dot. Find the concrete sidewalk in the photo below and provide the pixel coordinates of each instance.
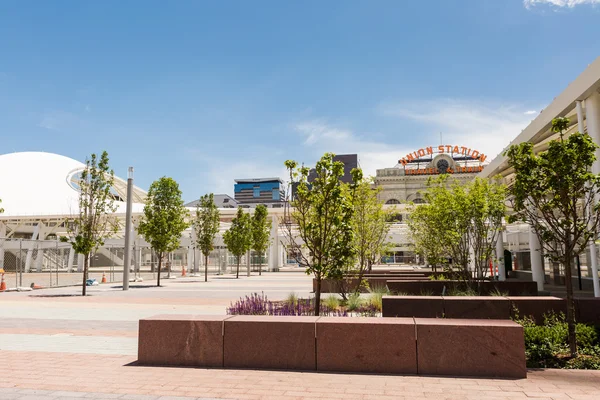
(56, 345)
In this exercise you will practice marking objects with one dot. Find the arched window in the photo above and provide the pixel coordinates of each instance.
(419, 201)
(392, 201)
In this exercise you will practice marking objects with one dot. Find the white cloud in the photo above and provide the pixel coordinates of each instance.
(530, 112)
(488, 128)
(483, 125)
(218, 174)
(321, 136)
(558, 3)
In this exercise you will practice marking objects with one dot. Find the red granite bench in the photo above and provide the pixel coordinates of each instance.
(488, 307)
(364, 345)
(462, 347)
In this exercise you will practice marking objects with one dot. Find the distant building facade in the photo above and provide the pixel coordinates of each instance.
(350, 162)
(407, 181)
(267, 191)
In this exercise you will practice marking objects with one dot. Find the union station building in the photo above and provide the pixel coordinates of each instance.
(407, 180)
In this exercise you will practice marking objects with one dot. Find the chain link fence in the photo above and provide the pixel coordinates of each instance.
(51, 263)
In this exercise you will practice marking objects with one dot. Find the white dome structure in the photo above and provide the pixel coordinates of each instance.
(45, 184)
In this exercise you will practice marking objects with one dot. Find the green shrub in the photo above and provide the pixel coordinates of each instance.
(547, 345)
(440, 277)
(376, 301)
(332, 302)
(379, 289)
(461, 292)
(583, 362)
(377, 293)
(426, 292)
(292, 299)
(586, 336)
(498, 292)
(354, 301)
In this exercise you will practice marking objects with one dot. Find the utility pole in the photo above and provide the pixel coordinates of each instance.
(127, 260)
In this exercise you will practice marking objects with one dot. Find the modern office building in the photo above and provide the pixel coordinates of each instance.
(267, 191)
(350, 162)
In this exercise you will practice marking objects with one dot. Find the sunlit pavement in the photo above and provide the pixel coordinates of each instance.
(55, 345)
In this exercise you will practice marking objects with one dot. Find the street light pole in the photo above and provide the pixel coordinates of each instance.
(127, 260)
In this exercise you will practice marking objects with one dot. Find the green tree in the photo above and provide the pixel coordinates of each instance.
(555, 192)
(487, 199)
(369, 225)
(457, 218)
(440, 227)
(428, 233)
(238, 238)
(261, 232)
(93, 225)
(206, 226)
(164, 218)
(322, 212)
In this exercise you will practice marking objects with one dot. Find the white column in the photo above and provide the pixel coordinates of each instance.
(190, 258)
(40, 258)
(500, 257)
(274, 250)
(197, 258)
(70, 260)
(537, 268)
(472, 265)
(2, 240)
(79, 262)
(248, 263)
(30, 247)
(592, 110)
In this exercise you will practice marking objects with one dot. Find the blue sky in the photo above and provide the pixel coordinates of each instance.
(206, 92)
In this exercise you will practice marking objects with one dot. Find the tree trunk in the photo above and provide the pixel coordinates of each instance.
(206, 268)
(570, 304)
(260, 264)
(237, 271)
(159, 267)
(85, 274)
(318, 297)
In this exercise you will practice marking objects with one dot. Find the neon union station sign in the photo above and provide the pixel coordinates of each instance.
(456, 153)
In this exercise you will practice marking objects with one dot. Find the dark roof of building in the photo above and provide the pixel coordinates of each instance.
(258, 180)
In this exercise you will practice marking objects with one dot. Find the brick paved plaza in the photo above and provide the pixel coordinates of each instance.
(56, 345)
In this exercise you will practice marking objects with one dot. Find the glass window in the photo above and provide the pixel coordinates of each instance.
(276, 195)
(256, 191)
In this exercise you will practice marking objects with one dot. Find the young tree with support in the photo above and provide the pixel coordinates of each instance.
(370, 227)
(164, 218)
(238, 238)
(487, 199)
(323, 213)
(553, 191)
(261, 232)
(93, 225)
(206, 225)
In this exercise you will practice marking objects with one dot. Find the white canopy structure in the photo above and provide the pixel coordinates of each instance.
(45, 185)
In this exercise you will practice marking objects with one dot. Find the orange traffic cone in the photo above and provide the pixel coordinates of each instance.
(103, 278)
(2, 284)
(183, 271)
(34, 286)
